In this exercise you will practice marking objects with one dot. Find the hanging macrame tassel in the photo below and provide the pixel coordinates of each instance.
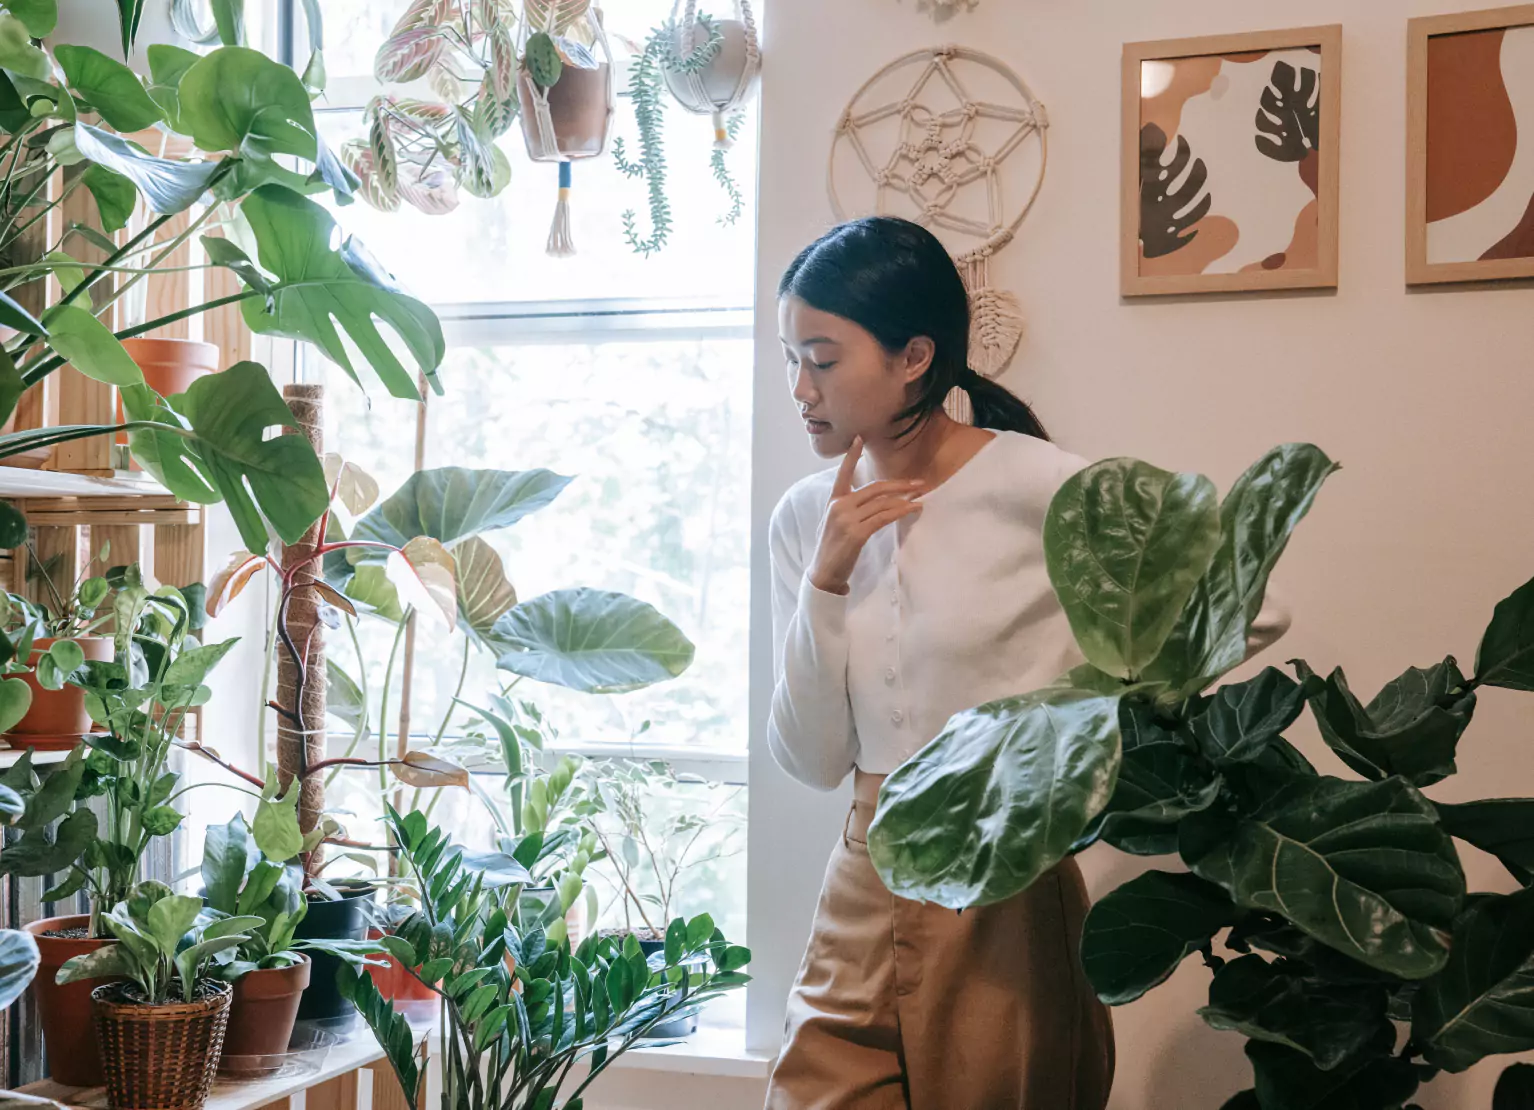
(561, 245)
(722, 139)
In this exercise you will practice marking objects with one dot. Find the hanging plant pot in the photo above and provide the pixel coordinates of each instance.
(170, 366)
(69, 1033)
(261, 1018)
(571, 119)
(714, 65)
(160, 1057)
(56, 719)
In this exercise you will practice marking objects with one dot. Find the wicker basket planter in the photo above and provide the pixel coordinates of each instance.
(160, 1057)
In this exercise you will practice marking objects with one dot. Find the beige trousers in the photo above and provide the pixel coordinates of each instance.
(905, 1005)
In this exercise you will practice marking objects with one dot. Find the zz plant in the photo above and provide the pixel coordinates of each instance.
(1339, 905)
(519, 1012)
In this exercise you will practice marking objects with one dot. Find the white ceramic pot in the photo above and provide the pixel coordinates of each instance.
(721, 78)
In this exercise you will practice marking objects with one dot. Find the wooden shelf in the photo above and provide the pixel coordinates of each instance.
(16, 481)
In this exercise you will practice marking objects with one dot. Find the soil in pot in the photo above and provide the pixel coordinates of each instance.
(327, 919)
(160, 1057)
(74, 1057)
(261, 1019)
(57, 718)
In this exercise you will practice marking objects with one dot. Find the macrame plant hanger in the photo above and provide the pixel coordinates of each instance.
(930, 170)
(692, 88)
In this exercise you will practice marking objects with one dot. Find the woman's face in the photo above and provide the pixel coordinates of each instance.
(844, 382)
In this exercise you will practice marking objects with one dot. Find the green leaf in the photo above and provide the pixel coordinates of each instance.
(238, 99)
(108, 962)
(230, 413)
(1326, 1021)
(1515, 1088)
(12, 315)
(1125, 544)
(1372, 1080)
(1243, 718)
(1502, 826)
(1135, 937)
(453, 503)
(109, 87)
(228, 854)
(167, 65)
(170, 918)
(19, 960)
(591, 640)
(276, 826)
(1257, 517)
(36, 854)
(168, 186)
(484, 592)
(161, 821)
(17, 54)
(90, 347)
(115, 196)
(343, 698)
(1411, 728)
(370, 588)
(1482, 1003)
(390, 1028)
(67, 654)
(1159, 782)
(72, 883)
(39, 17)
(192, 667)
(1505, 657)
(321, 289)
(1362, 867)
(53, 798)
(15, 700)
(129, 12)
(997, 799)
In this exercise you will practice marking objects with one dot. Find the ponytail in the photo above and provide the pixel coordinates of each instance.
(998, 408)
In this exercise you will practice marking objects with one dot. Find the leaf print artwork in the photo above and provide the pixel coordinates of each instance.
(1289, 119)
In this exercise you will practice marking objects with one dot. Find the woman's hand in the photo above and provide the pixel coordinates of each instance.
(853, 516)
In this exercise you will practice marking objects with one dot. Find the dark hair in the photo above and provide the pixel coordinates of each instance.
(894, 279)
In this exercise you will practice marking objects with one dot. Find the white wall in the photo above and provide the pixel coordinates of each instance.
(1422, 396)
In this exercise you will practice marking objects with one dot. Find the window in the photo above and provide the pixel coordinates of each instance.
(631, 374)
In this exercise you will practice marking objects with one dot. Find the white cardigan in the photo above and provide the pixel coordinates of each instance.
(946, 610)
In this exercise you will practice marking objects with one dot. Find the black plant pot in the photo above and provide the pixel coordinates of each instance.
(676, 1027)
(326, 919)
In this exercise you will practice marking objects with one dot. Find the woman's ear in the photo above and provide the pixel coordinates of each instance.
(918, 356)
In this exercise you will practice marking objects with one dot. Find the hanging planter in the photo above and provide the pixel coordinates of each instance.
(709, 66)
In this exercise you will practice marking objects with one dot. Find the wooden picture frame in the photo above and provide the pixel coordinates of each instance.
(1469, 197)
(1214, 84)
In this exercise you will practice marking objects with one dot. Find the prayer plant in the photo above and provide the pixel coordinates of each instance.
(1333, 912)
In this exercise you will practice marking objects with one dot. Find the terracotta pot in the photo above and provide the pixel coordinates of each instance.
(261, 1019)
(57, 718)
(395, 983)
(169, 366)
(581, 109)
(74, 1056)
(160, 1057)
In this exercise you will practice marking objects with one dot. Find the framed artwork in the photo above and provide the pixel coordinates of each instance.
(1230, 162)
(1470, 146)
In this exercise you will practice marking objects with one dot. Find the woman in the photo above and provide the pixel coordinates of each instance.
(908, 585)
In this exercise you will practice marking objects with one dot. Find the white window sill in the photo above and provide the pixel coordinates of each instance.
(718, 1050)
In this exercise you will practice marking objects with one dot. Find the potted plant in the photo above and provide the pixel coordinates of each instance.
(161, 1025)
(46, 644)
(518, 1012)
(651, 836)
(140, 705)
(1304, 894)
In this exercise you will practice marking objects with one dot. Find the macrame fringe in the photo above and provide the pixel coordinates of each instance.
(561, 242)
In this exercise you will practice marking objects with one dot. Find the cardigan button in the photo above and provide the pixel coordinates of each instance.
(897, 717)
(889, 675)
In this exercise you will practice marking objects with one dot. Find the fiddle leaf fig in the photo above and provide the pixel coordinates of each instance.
(997, 799)
(1125, 544)
(1502, 826)
(1137, 936)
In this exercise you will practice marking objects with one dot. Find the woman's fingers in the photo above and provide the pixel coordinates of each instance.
(843, 484)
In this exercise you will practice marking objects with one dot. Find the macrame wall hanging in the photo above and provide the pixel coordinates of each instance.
(939, 172)
(946, 9)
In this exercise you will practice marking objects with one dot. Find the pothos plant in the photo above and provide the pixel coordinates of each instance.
(659, 55)
(139, 699)
(1330, 910)
(519, 1012)
(248, 122)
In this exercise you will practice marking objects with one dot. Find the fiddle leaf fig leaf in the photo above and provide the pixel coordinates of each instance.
(1125, 544)
(997, 799)
(1135, 937)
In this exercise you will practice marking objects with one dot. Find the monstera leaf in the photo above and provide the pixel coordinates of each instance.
(997, 799)
(1289, 116)
(1125, 544)
(590, 640)
(1482, 1003)
(237, 99)
(1411, 728)
(1257, 517)
(168, 185)
(1363, 867)
(452, 503)
(317, 288)
(1167, 217)
(1135, 938)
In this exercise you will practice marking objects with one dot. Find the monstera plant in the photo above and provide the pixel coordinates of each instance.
(1350, 953)
(247, 121)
